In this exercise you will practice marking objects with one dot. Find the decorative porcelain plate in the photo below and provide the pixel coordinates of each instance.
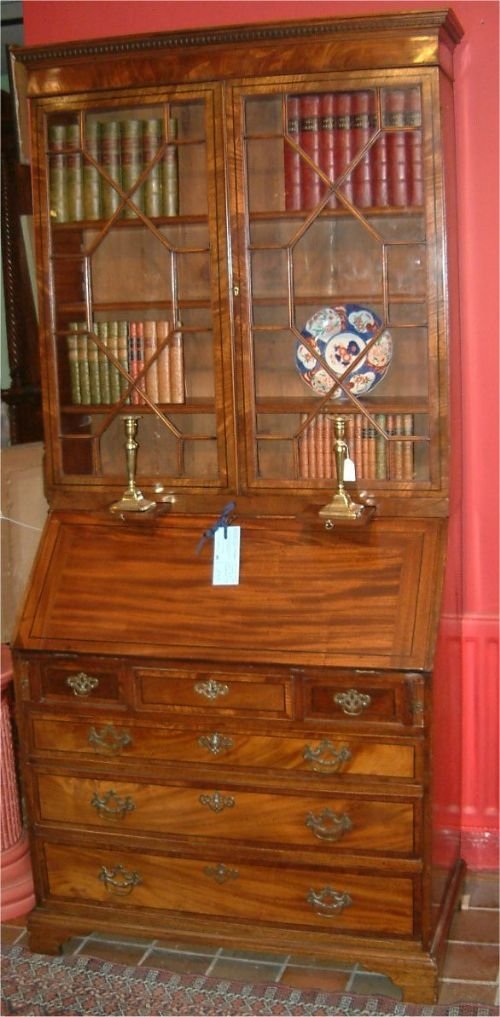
(339, 335)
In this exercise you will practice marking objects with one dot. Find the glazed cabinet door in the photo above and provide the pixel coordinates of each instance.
(340, 281)
(130, 186)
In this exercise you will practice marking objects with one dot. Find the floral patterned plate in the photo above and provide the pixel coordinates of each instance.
(340, 335)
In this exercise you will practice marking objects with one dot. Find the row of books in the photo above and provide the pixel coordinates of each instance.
(332, 128)
(375, 457)
(134, 347)
(78, 189)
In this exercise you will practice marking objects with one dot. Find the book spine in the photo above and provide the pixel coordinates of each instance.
(91, 175)
(164, 386)
(380, 172)
(83, 367)
(362, 123)
(101, 329)
(408, 449)
(327, 110)
(343, 141)
(413, 119)
(309, 142)
(74, 373)
(74, 173)
(380, 448)
(170, 173)
(110, 155)
(358, 444)
(57, 173)
(396, 147)
(398, 447)
(292, 160)
(136, 359)
(123, 356)
(114, 374)
(150, 347)
(151, 141)
(93, 361)
(131, 161)
(177, 368)
(303, 452)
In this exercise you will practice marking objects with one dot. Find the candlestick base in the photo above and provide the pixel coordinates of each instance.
(132, 501)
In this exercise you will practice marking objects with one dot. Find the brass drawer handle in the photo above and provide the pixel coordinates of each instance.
(217, 802)
(329, 825)
(111, 806)
(118, 881)
(352, 702)
(82, 684)
(216, 743)
(109, 740)
(211, 689)
(221, 873)
(326, 758)
(328, 902)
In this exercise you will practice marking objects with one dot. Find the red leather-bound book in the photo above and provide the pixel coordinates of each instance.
(362, 124)
(394, 117)
(292, 159)
(413, 120)
(327, 114)
(309, 142)
(380, 172)
(344, 141)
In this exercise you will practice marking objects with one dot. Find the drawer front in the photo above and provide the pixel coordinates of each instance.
(218, 692)
(314, 898)
(80, 681)
(366, 698)
(226, 812)
(349, 757)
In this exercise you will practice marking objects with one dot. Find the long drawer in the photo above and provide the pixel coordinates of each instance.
(351, 756)
(312, 897)
(358, 824)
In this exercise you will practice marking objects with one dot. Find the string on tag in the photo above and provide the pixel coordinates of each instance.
(223, 521)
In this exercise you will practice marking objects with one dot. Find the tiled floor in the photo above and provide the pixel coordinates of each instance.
(470, 974)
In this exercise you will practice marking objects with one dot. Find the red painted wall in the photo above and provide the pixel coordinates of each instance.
(477, 77)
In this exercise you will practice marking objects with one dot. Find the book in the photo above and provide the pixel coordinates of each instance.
(57, 173)
(101, 330)
(91, 178)
(163, 362)
(131, 163)
(363, 120)
(291, 158)
(177, 367)
(123, 343)
(413, 120)
(380, 448)
(74, 173)
(152, 187)
(309, 141)
(394, 119)
(380, 172)
(327, 160)
(111, 164)
(408, 448)
(344, 141)
(83, 366)
(93, 362)
(170, 173)
(114, 374)
(74, 373)
(135, 359)
(150, 348)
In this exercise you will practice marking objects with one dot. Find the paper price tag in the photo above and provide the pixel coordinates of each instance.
(349, 469)
(226, 563)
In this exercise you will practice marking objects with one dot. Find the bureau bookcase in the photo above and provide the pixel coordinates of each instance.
(245, 242)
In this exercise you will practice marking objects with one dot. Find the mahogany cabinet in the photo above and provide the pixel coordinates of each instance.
(245, 245)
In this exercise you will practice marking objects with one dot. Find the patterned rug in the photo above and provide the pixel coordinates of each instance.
(35, 984)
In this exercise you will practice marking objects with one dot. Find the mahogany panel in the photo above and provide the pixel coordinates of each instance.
(304, 596)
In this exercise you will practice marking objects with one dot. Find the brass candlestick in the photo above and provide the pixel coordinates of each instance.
(342, 507)
(132, 499)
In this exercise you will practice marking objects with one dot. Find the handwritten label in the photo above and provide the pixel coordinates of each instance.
(226, 563)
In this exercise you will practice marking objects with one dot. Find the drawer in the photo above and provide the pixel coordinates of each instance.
(366, 697)
(217, 692)
(79, 680)
(225, 812)
(351, 757)
(314, 897)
